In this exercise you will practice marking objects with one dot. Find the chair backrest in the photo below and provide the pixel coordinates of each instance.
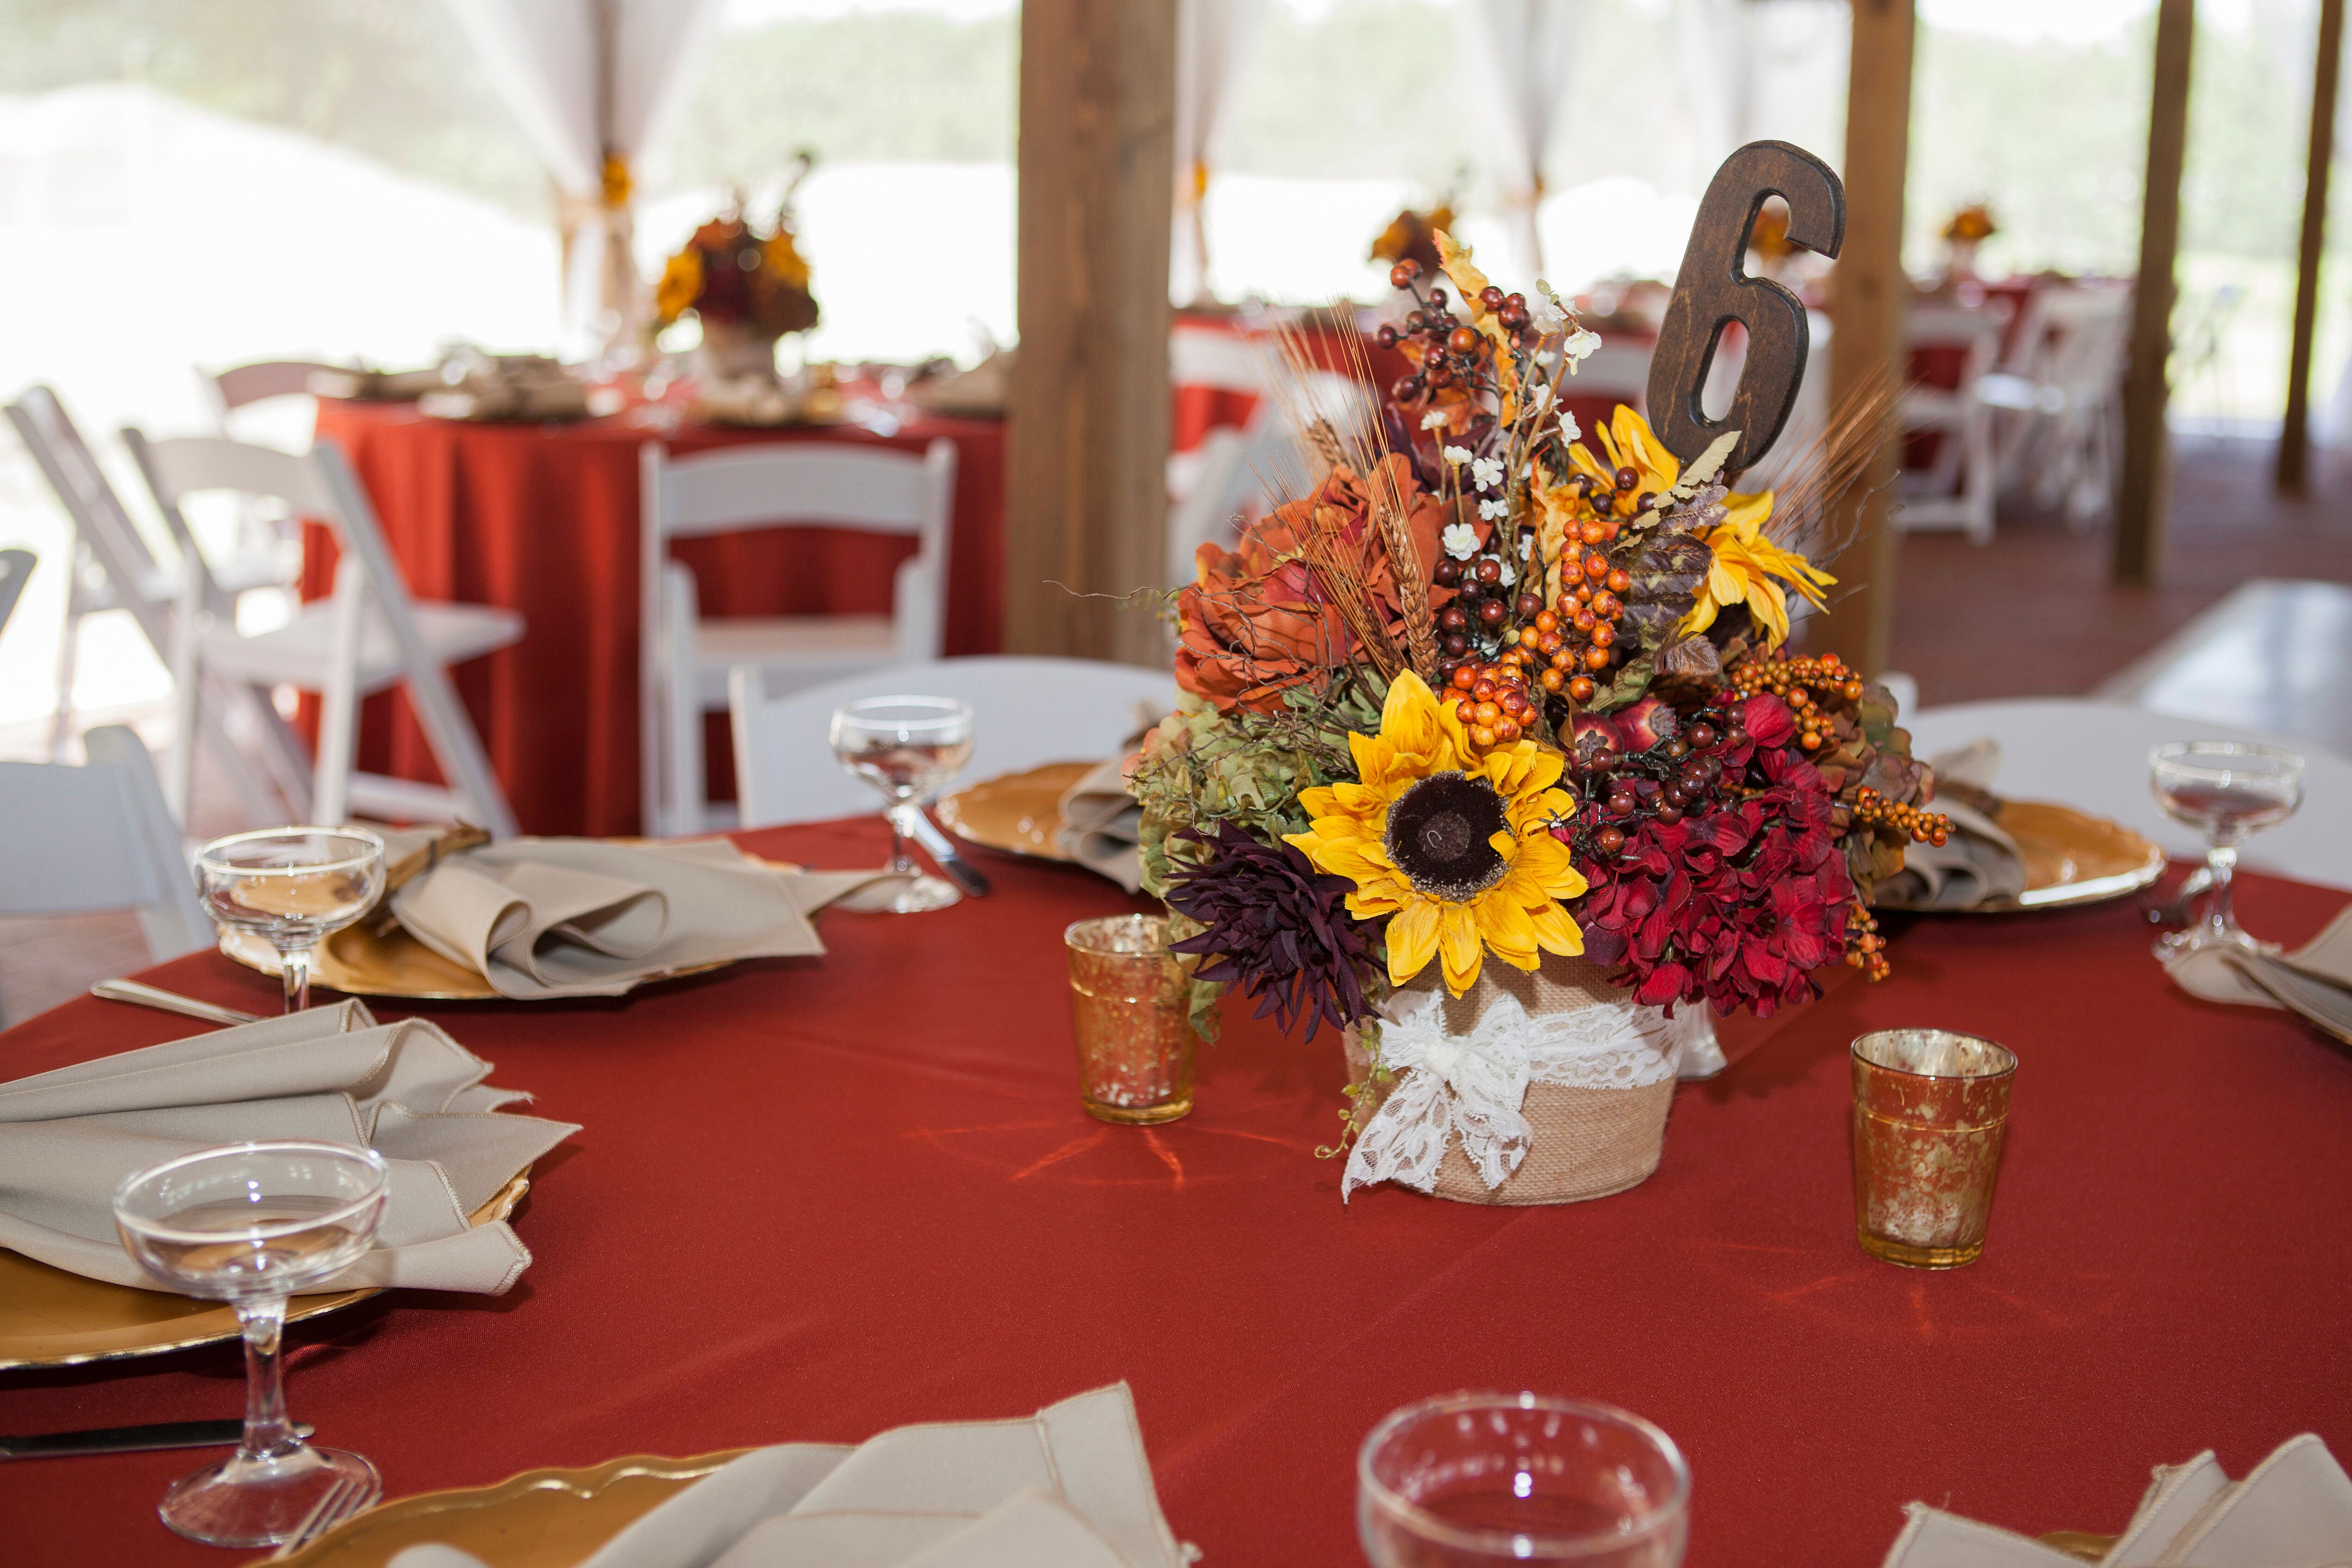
(186, 465)
(785, 483)
(15, 569)
(97, 837)
(2093, 755)
(101, 524)
(1235, 467)
(241, 384)
(1214, 357)
(2066, 325)
(1028, 712)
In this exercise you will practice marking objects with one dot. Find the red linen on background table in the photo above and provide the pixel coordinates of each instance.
(818, 1198)
(544, 519)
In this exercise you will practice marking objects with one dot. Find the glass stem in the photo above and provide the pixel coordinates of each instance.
(2221, 861)
(900, 861)
(294, 970)
(268, 1432)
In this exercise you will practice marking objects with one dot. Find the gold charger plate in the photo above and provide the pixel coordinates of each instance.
(539, 1518)
(2071, 858)
(50, 1317)
(1019, 813)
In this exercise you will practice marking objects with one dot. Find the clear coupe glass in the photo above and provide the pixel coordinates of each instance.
(1476, 1480)
(910, 748)
(2226, 790)
(252, 1224)
(293, 887)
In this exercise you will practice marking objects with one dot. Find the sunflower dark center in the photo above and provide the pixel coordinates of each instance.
(1438, 836)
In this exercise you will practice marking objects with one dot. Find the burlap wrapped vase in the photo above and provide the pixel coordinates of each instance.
(1547, 1086)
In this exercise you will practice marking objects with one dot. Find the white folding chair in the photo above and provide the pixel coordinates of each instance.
(684, 659)
(112, 569)
(1026, 713)
(1231, 471)
(2093, 755)
(1955, 491)
(234, 388)
(79, 839)
(2059, 396)
(367, 637)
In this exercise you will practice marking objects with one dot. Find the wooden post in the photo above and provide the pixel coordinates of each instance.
(1870, 297)
(2146, 492)
(1086, 517)
(2294, 436)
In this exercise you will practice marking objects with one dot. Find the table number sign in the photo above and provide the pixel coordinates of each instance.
(1712, 290)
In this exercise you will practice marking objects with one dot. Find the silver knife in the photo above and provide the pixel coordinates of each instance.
(128, 1439)
(916, 825)
(148, 996)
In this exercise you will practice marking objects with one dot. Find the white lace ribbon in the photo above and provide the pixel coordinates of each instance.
(1474, 1084)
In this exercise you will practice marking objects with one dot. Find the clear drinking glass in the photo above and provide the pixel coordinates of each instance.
(251, 1224)
(1472, 1479)
(2226, 790)
(910, 748)
(293, 886)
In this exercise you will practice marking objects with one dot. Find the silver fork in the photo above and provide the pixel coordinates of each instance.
(339, 1502)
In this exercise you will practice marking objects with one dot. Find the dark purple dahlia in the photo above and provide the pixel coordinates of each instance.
(1276, 927)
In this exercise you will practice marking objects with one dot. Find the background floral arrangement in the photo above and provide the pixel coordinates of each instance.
(733, 271)
(1488, 685)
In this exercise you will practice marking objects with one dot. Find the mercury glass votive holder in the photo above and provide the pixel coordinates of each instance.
(1131, 1002)
(1930, 1110)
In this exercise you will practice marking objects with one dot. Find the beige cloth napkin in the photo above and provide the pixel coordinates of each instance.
(2326, 957)
(582, 917)
(982, 392)
(2293, 1511)
(1101, 824)
(1977, 862)
(1067, 1488)
(68, 1138)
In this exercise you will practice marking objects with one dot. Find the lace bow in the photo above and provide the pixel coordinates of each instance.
(1475, 1083)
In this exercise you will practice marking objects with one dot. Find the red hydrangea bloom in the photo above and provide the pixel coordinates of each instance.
(1737, 905)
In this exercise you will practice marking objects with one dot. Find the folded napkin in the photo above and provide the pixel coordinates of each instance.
(1067, 1488)
(1978, 863)
(406, 1090)
(582, 917)
(1101, 824)
(981, 391)
(2293, 1511)
(2326, 959)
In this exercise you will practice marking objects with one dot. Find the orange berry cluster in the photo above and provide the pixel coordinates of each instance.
(1920, 826)
(1803, 685)
(1575, 637)
(1495, 702)
(1866, 949)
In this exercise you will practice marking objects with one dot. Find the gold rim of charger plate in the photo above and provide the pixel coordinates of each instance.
(221, 1320)
(539, 1519)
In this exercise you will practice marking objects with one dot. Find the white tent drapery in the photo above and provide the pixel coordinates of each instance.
(593, 84)
(1518, 53)
(1212, 43)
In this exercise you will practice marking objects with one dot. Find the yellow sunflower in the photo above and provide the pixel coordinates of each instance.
(681, 286)
(1448, 841)
(1630, 443)
(1746, 564)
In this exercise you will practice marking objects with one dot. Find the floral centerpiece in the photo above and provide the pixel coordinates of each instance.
(747, 284)
(1490, 754)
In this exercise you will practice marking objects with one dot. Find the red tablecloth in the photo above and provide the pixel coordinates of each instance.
(817, 1199)
(543, 520)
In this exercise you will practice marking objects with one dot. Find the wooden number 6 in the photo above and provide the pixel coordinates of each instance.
(1713, 289)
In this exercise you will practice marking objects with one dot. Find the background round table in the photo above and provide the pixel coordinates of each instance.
(817, 1199)
(543, 519)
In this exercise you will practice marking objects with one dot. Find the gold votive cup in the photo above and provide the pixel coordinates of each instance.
(1930, 1110)
(1131, 1002)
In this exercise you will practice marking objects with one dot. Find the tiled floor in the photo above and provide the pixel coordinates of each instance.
(2030, 614)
